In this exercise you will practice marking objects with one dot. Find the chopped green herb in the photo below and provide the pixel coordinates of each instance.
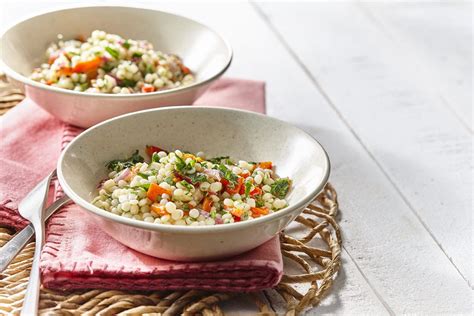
(280, 187)
(137, 55)
(169, 180)
(155, 157)
(115, 54)
(197, 178)
(180, 164)
(128, 83)
(248, 187)
(149, 69)
(144, 176)
(259, 202)
(126, 44)
(118, 165)
(218, 160)
(107, 67)
(186, 185)
(227, 174)
(84, 86)
(145, 186)
(213, 214)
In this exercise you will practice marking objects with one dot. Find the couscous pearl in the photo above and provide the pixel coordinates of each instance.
(251, 202)
(122, 183)
(267, 196)
(258, 179)
(266, 188)
(228, 202)
(177, 214)
(204, 186)
(149, 219)
(278, 204)
(170, 207)
(268, 181)
(125, 206)
(236, 197)
(215, 187)
(134, 209)
(194, 213)
(108, 184)
(210, 221)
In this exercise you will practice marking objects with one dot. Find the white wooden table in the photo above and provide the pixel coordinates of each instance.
(387, 88)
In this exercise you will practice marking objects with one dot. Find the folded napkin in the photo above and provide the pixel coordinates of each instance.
(77, 253)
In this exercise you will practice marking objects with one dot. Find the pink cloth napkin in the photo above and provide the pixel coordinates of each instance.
(77, 253)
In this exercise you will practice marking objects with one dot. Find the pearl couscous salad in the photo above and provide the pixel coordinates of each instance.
(178, 188)
(108, 63)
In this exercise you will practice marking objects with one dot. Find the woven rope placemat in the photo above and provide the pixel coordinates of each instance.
(315, 249)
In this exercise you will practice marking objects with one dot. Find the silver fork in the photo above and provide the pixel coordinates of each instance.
(31, 208)
(13, 247)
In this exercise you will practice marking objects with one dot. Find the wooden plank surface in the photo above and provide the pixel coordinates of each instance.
(415, 141)
(438, 38)
(363, 112)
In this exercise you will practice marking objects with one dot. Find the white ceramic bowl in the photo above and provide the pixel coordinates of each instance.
(24, 44)
(216, 132)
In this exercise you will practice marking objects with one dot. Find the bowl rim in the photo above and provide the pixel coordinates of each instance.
(27, 81)
(87, 205)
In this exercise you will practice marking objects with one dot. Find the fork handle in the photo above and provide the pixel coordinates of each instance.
(30, 304)
(18, 242)
(11, 249)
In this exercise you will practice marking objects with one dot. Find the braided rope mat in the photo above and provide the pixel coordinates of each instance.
(317, 265)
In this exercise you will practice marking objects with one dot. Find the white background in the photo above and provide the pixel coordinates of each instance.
(386, 87)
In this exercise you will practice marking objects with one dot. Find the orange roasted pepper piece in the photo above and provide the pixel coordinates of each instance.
(88, 66)
(265, 165)
(155, 190)
(259, 211)
(207, 204)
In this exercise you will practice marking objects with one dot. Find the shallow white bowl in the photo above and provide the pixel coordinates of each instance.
(23, 47)
(215, 131)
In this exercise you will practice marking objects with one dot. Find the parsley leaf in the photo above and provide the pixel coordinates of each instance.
(128, 83)
(107, 67)
(280, 187)
(259, 202)
(218, 160)
(169, 180)
(145, 186)
(115, 54)
(186, 185)
(227, 174)
(144, 176)
(197, 177)
(248, 186)
(137, 55)
(126, 44)
(155, 157)
(118, 165)
(149, 69)
(180, 164)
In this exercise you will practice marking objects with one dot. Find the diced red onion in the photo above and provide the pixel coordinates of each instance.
(122, 175)
(213, 173)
